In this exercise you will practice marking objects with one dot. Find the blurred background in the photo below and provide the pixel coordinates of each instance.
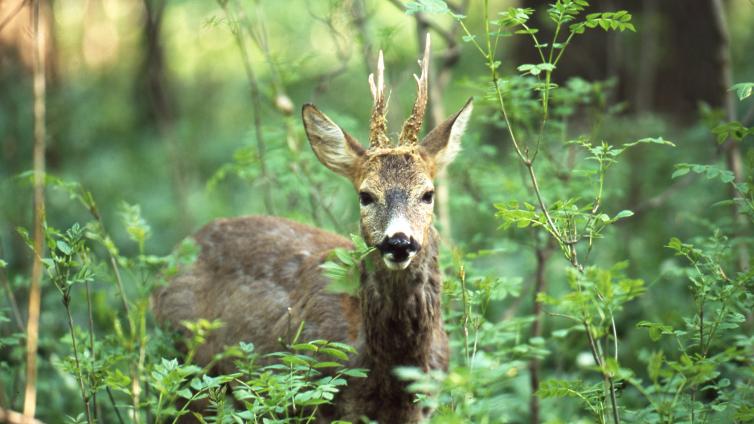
(191, 110)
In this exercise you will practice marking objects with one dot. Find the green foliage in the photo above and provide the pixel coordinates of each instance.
(344, 266)
(490, 357)
(619, 21)
(705, 344)
(589, 395)
(623, 294)
(289, 389)
(596, 295)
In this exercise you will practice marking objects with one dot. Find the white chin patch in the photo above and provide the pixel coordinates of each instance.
(396, 266)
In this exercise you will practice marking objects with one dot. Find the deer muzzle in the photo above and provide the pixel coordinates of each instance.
(398, 250)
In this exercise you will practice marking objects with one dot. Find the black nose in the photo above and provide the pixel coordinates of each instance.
(399, 245)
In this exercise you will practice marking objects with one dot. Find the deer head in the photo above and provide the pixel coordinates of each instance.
(394, 182)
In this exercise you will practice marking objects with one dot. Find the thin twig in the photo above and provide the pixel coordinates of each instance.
(84, 396)
(258, 33)
(342, 50)
(542, 256)
(733, 157)
(35, 292)
(115, 406)
(91, 345)
(359, 21)
(560, 235)
(135, 376)
(465, 322)
(256, 104)
(489, 55)
(11, 297)
(92, 207)
(613, 400)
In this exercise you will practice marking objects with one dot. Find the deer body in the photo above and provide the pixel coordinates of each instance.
(261, 275)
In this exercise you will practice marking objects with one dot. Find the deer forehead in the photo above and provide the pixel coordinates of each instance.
(398, 168)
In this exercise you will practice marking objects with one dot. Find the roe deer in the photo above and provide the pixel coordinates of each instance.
(261, 275)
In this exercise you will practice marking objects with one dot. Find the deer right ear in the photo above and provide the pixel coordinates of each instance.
(335, 148)
(444, 142)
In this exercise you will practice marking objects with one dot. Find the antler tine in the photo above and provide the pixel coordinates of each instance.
(378, 123)
(412, 126)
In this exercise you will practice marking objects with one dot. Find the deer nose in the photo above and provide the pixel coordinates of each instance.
(399, 246)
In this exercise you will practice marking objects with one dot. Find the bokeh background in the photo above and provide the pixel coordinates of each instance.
(155, 103)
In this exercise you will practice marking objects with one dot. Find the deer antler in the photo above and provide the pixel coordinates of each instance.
(412, 126)
(378, 124)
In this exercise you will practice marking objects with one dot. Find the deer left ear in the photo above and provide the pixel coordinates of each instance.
(334, 147)
(444, 142)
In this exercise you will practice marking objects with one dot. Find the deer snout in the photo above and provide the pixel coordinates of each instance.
(398, 249)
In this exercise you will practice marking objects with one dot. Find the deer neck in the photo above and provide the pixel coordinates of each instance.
(401, 310)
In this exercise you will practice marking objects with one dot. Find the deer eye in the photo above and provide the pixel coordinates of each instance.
(428, 196)
(365, 198)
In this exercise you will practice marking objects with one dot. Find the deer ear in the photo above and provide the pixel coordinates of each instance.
(334, 147)
(444, 142)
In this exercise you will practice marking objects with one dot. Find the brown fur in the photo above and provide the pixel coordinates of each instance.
(247, 279)
(261, 275)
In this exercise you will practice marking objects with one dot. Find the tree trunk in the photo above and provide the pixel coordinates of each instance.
(670, 65)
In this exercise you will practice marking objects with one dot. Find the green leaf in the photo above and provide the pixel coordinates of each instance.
(656, 331)
(546, 66)
(527, 68)
(679, 172)
(184, 393)
(623, 214)
(709, 171)
(733, 129)
(355, 372)
(409, 373)
(328, 364)
(334, 352)
(304, 346)
(743, 89)
(426, 6)
(138, 229)
(344, 256)
(64, 247)
(650, 140)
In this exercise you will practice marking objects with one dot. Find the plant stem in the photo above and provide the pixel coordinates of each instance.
(115, 407)
(613, 400)
(135, 376)
(733, 157)
(84, 396)
(158, 412)
(462, 276)
(11, 297)
(91, 346)
(256, 104)
(542, 255)
(567, 244)
(92, 207)
(35, 292)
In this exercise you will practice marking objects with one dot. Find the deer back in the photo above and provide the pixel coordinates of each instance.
(260, 276)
